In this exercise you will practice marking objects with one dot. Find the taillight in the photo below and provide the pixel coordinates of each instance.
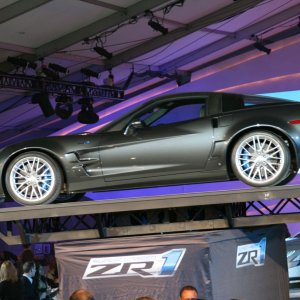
(294, 122)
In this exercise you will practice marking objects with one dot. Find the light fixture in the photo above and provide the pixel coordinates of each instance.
(158, 27)
(89, 73)
(45, 72)
(260, 46)
(183, 77)
(58, 68)
(110, 80)
(87, 114)
(103, 52)
(42, 99)
(64, 106)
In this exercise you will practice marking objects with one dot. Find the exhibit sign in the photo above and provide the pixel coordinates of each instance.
(229, 264)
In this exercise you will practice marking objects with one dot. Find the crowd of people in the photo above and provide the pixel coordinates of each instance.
(26, 277)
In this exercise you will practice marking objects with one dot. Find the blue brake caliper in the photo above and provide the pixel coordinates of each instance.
(47, 180)
(245, 157)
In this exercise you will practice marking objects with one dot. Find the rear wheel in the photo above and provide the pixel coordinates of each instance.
(33, 178)
(261, 158)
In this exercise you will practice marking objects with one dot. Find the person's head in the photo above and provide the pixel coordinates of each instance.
(188, 292)
(8, 271)
(26, 255)
(29, 268)
(81, 294)
(144, 298)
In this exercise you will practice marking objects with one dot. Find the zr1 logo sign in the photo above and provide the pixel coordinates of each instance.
(251, 254)
(149, 265)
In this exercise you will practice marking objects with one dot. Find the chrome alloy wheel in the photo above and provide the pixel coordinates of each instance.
(260, 158)
(32, 179)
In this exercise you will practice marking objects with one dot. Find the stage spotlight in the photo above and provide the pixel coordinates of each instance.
(109, 81)
(261, 47)
(87, 114)
(42, 99)
(45, 72)
(64, 106)
(103, 52)
(58, 68)
(89, 73)
(183, 77)
(158, 27)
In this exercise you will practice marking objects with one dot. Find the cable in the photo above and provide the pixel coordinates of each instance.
(281, 26)
(194, 41)
(167, 46)
(229, 20)
(263, 17)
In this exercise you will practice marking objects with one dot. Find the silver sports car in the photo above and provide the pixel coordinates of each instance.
(174, 139)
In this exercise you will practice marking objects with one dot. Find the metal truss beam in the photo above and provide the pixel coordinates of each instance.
(227, 41)
(106, 5)
(149, 215)
(18, 8)
(39, 84)
(145, 203)
(87, 31)
(121, 231)
(212, 18)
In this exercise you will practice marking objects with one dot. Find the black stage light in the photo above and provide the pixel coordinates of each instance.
(87, 114)
(49, 73)
(183, 78)
(64, 106)
(158, 27)
(103, 52)
(42, 99)
(109, 81)
(261, 47)
(89, 73)
(58, 68)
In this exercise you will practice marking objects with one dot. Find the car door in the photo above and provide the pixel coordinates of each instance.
(171, 141)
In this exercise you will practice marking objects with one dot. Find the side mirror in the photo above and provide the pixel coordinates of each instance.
(130, 129)
(137, 124)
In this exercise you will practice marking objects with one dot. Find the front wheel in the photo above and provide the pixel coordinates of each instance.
(33, 178)
(261, 158)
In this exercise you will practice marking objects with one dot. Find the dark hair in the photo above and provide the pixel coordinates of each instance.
(188, 288)
(27, 266)
(81, 294)
(144, 298)
(26, 255)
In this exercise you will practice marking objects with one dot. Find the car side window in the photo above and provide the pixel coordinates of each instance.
(174, 112)
(232, 102)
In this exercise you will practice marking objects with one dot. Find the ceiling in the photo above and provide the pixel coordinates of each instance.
(200, 34)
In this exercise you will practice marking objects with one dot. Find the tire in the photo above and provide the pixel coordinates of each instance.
(33, 178)
(261, 158)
